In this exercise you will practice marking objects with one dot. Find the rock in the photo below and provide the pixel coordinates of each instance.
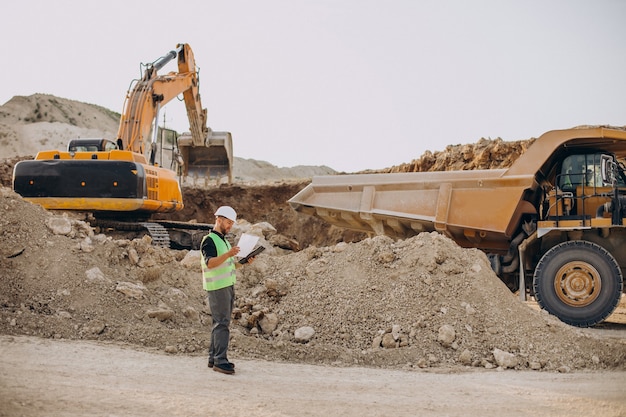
(100, 238)
(271, 287)
(395, 331)
(265, 228)
(465, 357)
(388, 341)
(191, 313)
(86, 245)
(161, 314)
(340, 247)
(131, 290)
(192, 260)
(377, 342)
(59, 225)
(304, 334)
(96, 275)
(175, 293)
(83, 229)
(268, 323)
(253, 319)
(446, 335)
(468, 308)
(95, 327)
(505, 359)
(133, 256)
(284, 242)
(64, 315)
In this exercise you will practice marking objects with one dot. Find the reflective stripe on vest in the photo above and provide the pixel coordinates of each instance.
(223, 275)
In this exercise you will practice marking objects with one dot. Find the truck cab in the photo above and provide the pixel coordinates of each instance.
(585, 186)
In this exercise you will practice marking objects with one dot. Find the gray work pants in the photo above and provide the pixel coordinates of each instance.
(221, 303)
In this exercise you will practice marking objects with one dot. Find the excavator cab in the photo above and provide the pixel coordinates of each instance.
(91, 145)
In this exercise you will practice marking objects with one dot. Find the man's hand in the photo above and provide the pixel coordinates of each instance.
(233, 251)
(218, 260)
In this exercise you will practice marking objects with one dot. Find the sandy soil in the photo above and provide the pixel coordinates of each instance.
(42, 377)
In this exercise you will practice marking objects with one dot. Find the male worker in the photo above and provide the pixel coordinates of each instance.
(218, 277)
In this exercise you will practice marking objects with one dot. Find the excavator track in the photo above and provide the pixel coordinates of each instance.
(158, 233)
(164, 233)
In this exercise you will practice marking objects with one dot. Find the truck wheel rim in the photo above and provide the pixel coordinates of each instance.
(577, 284)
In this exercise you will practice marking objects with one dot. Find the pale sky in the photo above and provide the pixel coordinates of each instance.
(351, 84)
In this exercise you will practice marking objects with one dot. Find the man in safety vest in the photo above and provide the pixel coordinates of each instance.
(218, 278)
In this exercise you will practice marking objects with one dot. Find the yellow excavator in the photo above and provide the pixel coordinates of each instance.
(116, 180)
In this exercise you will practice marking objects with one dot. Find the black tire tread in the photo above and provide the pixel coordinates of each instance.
(555, 254)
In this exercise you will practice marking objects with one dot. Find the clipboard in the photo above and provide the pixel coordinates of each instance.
(252, 254)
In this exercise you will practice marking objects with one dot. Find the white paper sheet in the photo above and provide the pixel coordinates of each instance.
(246, 244)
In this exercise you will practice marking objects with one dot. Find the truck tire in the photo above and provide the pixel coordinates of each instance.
(580, 282)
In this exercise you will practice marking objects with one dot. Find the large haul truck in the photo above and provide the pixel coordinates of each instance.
(553, 224)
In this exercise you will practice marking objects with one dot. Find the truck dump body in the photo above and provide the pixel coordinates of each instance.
(468, 206)
(472, 207)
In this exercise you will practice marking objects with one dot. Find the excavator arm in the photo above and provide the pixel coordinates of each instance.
(145, 99)
(204, 153)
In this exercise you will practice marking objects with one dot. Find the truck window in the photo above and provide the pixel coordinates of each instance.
(593, 170)
(581, 170)
(572, 172)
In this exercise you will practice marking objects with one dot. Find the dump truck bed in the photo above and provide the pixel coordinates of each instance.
(469, 206)
(477, 208)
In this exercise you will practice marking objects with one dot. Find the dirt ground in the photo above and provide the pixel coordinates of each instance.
(42, 377)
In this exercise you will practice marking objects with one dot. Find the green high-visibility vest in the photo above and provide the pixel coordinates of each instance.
(223, 275)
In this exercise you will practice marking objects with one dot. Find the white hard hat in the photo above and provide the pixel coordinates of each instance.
(228, 212)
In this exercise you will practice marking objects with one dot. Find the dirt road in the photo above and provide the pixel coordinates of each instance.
(43, 377)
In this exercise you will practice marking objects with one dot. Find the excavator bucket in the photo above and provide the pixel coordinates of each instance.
(214, 160)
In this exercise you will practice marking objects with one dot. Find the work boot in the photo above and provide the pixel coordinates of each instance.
(212, 363)
(224, 368)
